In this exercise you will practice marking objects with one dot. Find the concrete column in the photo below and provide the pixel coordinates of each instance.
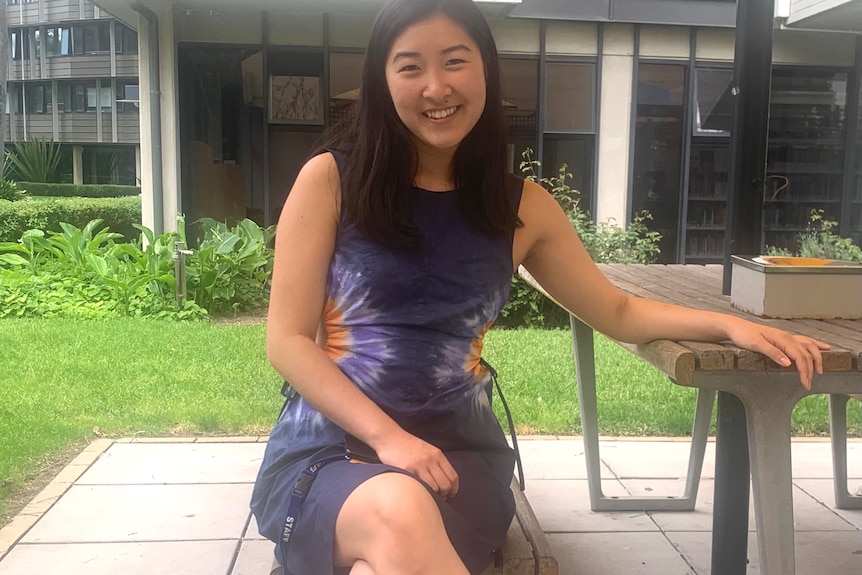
(144, 156)
(615, 121)
(138, 165)
(78, 165)
(172, 202)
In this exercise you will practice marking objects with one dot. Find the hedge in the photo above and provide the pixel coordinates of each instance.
(117, 213)
(81, 191)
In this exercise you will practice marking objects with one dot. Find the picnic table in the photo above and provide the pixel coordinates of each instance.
(755, 401)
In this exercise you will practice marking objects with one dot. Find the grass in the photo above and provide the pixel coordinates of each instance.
(64, 382)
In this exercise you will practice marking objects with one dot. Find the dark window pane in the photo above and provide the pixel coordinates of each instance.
(78, 40)
(658, 150)
(570, 97)
(520, 101)
(714, 101)
(576, 152)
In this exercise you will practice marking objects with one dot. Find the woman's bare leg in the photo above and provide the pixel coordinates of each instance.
(393, 524)
(361, 568)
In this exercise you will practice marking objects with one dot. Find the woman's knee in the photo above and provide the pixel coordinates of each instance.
(398, 501)
(391, 510)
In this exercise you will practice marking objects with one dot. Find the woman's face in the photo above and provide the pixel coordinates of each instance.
(436, 78)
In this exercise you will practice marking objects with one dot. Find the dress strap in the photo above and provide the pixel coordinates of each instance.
(522, 484)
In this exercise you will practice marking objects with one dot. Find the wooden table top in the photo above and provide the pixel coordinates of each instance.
(699, 286)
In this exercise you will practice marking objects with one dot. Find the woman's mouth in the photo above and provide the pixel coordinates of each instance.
(441, 114)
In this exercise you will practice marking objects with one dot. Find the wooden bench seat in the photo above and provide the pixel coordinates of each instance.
(526, 550)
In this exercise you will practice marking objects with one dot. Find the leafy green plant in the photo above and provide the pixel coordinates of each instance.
(821, 241)
(606, 242)
(84, 272)
(35, 160)
(231, 267)
(9, 191)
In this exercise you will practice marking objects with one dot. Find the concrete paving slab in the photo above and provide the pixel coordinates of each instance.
(174, 557)
(616, 553)
(164, 463)
(813, 460)
(823, 491)
(661, 459)
(817, 552)
(255, 558)
(110, 513)
(251, 532)
(809, 513)
(555, 459)
(563, 505)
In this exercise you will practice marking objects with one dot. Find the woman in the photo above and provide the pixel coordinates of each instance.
(393, 257)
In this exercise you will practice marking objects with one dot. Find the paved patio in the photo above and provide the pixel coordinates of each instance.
(180, 507)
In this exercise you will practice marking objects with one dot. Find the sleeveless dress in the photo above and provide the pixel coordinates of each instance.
(406, 326)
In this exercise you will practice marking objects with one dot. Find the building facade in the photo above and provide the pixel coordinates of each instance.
(73, 79)
(633, 96)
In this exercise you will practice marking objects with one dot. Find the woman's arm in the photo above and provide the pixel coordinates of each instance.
(304, 245)
(555, 256)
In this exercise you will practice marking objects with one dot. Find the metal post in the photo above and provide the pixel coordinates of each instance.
(752, 76)
(732, 489)
(180, 253)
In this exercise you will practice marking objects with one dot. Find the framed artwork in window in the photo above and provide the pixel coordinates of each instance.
(295, 100)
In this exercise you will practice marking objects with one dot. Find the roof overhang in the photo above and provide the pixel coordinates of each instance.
(123, 10)
(831, 15)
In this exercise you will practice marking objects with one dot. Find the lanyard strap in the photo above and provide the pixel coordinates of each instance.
(297, 497)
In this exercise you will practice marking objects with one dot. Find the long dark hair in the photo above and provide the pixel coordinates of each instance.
(380, 158)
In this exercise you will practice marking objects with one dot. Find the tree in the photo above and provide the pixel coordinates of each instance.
(4, 71)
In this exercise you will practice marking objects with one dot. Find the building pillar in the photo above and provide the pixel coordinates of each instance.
(171, 200)
(78, 165)
(138, 165)
(614, 135)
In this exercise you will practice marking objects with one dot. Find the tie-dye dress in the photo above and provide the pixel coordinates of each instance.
(406, 326)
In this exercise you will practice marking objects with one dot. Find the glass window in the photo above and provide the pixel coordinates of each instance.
(77, 40)
(94, 95)
(39, 100)
(570, 97)
(96, 38)
(125, 39)
(805, 157)
(714, 101)
(15, 45)
(576, 152)
(658, 150)
(345, 77)
(520, 102)
(57, 41)
(79, 98)
(128, 97)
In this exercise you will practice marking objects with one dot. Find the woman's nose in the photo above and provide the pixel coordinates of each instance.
(437, 87)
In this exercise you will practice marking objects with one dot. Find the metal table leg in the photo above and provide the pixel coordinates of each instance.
(730, 507)
(584, 350)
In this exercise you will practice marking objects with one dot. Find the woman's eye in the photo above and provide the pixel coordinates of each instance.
(456, 62)
(409, 68)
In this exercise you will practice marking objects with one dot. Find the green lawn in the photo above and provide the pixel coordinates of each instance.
(66, 381)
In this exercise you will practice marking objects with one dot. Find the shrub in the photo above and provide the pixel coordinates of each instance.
(9, 191)
(605, 243)
(76, 190)
(820, 241)
(36, 160)
(120, 214)
(84, 272)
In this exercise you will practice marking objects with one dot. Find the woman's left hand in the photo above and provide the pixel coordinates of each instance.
(781, 347)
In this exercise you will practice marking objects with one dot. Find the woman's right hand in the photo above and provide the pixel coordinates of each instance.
(422, 459)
